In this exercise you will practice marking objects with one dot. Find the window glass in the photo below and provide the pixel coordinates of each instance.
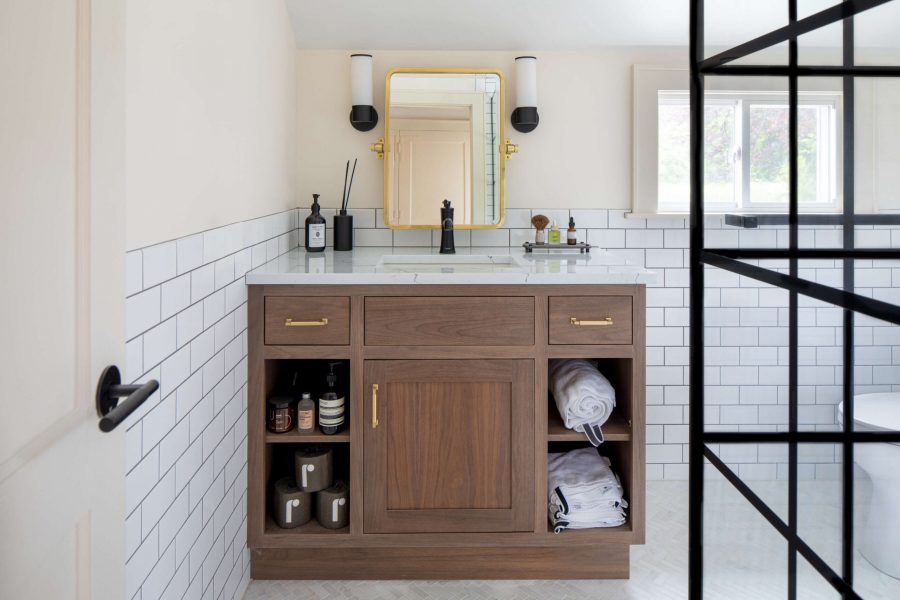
(674, 154)
(746, 152)
(768, 154)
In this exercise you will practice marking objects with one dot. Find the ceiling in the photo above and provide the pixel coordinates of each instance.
(559, 24)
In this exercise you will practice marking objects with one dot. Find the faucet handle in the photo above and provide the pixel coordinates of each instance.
(446, 203)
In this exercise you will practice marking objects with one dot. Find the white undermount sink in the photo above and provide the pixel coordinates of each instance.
(447, 263)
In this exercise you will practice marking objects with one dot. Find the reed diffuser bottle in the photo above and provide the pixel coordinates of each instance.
(343, 223)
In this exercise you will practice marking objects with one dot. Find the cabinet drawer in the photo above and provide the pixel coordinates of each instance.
(590, 320)
(293, 320)
(449, 321)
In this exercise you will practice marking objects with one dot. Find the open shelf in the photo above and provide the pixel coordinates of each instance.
(619, 372)
(280, 462)
(292, 377)
(616, 429)
(615, 453)
(312, 527)
(295, 437)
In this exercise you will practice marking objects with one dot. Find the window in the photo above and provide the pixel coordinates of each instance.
(746, 148)
(746, 145)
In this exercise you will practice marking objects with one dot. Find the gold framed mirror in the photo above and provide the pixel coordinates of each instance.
(444, 139)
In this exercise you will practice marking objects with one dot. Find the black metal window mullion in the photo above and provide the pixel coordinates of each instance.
(848, 264)
(696, 360)
(793, 332)
(844, 297)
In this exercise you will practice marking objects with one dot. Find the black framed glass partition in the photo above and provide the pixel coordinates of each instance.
(783, 267)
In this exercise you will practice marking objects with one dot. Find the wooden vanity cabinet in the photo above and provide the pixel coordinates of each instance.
(450, 422)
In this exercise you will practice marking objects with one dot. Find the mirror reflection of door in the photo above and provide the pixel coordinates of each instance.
(433, 161)
(442, 133)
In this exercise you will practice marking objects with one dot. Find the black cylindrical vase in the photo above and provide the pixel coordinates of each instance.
(343, 231)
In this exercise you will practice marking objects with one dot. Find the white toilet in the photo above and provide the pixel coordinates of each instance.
(880, 537)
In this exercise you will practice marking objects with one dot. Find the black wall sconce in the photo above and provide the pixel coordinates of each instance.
(363, 115)
(525, 117)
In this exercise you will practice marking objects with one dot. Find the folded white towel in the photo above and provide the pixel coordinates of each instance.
(584, 491)
(584, 397)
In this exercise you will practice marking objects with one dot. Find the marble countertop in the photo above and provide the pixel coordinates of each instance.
(377, 266)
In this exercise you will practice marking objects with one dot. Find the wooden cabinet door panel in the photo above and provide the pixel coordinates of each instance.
(462, 428)
(453, 448)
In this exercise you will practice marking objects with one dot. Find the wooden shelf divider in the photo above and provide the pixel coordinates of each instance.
(616, 429)
(317, 437)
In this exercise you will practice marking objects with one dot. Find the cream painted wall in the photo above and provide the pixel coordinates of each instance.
(579, 156)
(211, 115)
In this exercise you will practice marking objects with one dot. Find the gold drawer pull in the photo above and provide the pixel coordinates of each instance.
(292, 323)
(577, 321)
(374, 405)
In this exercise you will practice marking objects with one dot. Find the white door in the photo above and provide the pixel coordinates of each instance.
(62, 251)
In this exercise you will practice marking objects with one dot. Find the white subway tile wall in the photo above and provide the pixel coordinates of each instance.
(186, 323)
(186, 485)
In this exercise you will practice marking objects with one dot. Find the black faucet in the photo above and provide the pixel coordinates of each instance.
(447, 245)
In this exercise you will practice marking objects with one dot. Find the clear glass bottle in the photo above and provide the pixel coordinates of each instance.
(306, 414)
(553, 238)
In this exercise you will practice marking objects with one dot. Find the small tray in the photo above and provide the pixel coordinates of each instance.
(582, 247)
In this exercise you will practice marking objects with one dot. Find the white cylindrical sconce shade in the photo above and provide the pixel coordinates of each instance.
(526, 81)
(525, 117)
(361, 79)
(363, 115)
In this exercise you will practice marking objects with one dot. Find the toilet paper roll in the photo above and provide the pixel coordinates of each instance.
(291, 506)
(313, 465)
(333, 506)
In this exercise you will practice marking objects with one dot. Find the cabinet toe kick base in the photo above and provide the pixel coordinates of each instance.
(601, 561)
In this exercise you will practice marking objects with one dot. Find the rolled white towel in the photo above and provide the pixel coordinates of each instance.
(583, 491)
(584, 397)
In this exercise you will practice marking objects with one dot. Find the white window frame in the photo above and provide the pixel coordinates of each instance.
(651, 81)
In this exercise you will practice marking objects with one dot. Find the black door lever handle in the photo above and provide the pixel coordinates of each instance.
(110, 390)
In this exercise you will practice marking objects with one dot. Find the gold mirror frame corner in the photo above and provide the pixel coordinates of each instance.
(501, 140)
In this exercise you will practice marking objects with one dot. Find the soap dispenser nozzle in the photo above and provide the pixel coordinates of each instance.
(331, 378)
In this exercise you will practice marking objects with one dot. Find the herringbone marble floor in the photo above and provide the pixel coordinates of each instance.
(745, 558)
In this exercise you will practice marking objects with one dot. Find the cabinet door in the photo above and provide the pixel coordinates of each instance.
(449, 446)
